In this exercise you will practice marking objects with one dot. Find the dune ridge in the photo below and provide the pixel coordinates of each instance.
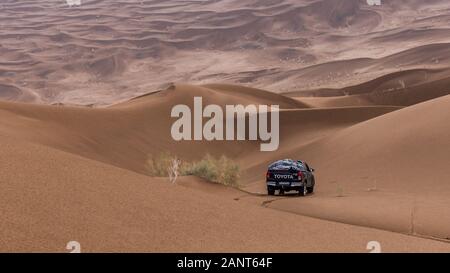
(126, 134)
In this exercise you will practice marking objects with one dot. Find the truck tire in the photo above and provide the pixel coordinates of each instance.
(303, 190)
(270, 191)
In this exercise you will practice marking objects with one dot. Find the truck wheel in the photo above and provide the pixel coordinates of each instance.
(270, 191)
(310, 189)
(303, 190)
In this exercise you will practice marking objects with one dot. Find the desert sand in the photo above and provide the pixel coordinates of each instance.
(104, 52)
(79, 173)
(86, 94)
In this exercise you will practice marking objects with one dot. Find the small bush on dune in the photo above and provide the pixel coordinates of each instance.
(205, 168)
(222, 171)
(159, 166)
(229, 174)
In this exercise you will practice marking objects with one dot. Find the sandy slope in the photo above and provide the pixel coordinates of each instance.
(392, 171)
(126, 134)
(400, 88)
(78, 173)
(50, 197)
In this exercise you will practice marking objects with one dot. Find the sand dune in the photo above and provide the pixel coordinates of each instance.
(401, 88)
(363, 95)
(399, 70)
(392, 170)
(49, 197)
(126, 134)
(13, 93)
(94, 55)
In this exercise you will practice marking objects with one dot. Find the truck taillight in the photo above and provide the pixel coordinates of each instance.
(300, 176)
(268, 175)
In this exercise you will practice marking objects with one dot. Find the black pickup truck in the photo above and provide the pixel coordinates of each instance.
(290, 175)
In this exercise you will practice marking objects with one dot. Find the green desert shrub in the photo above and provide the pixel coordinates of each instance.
(222, 171)
(159, 166)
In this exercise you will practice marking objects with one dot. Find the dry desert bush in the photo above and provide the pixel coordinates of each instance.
(218, 170)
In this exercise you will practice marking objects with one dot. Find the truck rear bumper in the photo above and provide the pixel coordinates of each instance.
(286, 186)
